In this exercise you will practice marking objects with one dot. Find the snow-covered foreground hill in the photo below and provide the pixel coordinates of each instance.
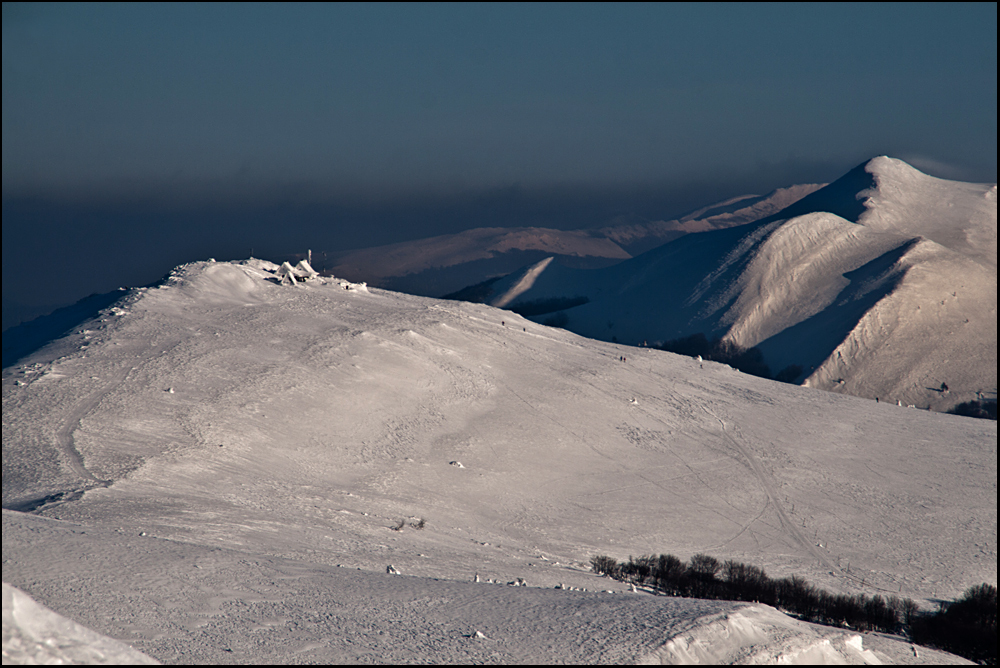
(881, 284)
(197, 604)
(191, 603)
(211, 463)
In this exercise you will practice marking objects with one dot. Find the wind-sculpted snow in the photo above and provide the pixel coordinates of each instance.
(959, 216)
(211, 461)
(33, 634)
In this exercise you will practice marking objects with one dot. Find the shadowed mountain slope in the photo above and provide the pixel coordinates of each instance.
(438, 266)
(881, 284)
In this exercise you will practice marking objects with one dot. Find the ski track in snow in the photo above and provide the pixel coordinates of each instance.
(772, 498)
(70, 422)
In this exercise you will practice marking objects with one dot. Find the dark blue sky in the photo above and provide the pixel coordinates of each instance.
(202, 129)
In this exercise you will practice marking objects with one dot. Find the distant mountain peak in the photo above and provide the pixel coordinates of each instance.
(875, 285)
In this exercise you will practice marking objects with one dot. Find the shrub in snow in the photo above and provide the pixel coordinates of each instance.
(747, 360)
(701, 576)
(669, 573)
(752, 581)
(967, 627)
(704, 566)
(559, 319)
(604, 565)
(978, 409)
(796, 594)
(789, 374)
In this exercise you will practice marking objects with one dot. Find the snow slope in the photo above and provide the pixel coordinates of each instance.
(33, 634)
(211, 461)
(882, 284)
(641, 237)
(191, 603)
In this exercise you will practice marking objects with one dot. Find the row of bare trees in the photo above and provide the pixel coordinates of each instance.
(966, 627)
(747, 360)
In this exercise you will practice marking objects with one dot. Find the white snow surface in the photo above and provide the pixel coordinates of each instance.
(250, 514)
(33, 634)
(881, 284)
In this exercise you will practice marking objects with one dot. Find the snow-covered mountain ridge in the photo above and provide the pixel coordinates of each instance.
(881, 284)
(639, 238)
(444, 264)
(207, 440)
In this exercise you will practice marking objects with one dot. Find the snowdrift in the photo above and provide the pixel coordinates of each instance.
(760, 635)
(33, 634)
